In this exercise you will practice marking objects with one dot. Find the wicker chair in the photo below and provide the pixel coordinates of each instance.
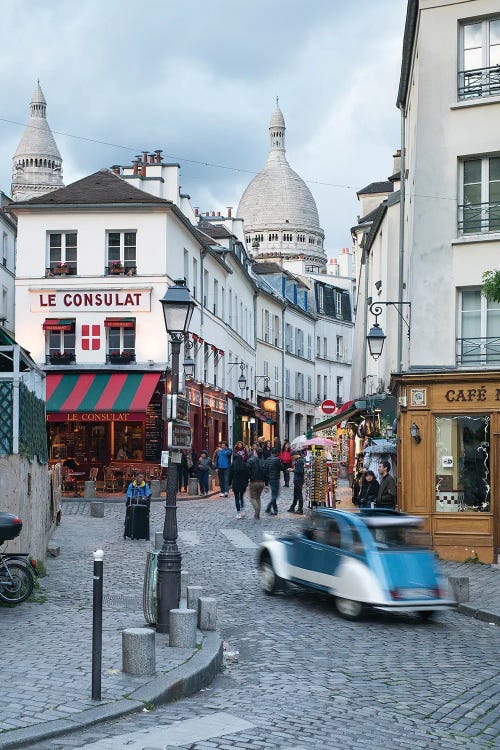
(68, 483)
(109, 479)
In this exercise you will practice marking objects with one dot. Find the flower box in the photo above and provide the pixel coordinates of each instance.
(116, 267)
(65, 358)
(117, 358)
(61, 269)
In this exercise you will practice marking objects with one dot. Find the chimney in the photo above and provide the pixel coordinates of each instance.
(135, 166)
(151, 158)
(196, 211)
(143, 170)
(229, 212)
(144, 157)
(207, 213)
(158, 155)
(218, 213)
(213, 213)
(115, 168)
(397, 162)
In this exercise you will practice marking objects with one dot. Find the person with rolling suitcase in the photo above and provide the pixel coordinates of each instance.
(137, 509)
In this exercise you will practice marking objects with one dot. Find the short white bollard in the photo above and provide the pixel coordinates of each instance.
(182, 628)
(158, 541)
(138, 651)
(207, 613)
(193, 593)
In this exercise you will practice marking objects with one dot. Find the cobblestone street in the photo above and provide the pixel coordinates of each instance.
(304, 679)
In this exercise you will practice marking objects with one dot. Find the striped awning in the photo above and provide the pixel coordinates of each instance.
(341, 412)
(55, 324)
(119, 323)
(87, 392)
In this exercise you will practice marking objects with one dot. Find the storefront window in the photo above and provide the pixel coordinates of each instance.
(129, 441)
(462, 464)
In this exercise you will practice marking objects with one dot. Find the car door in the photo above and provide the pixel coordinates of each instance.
(331, 555)
(305, 556)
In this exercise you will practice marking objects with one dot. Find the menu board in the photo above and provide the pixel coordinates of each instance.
(154, 433)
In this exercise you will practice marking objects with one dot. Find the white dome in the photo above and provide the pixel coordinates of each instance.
(37, 140)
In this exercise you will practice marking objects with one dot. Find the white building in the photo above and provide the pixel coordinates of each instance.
(8, 264)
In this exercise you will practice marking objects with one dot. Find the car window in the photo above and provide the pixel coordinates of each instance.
(332, 536)
(357, 544)
(395, 537)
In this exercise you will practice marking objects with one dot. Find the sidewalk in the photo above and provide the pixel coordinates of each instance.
(47, 646)
(484, 580)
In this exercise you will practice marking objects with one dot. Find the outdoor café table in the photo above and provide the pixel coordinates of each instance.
(77, 474)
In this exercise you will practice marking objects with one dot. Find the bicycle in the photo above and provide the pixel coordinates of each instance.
(17, 575)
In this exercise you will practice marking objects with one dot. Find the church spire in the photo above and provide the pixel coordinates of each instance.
(37, 163)
(277, 130)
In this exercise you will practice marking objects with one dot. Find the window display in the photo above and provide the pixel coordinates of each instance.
(129, 441)
(462, 464)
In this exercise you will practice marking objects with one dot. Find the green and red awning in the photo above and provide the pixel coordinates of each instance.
(98, 392)
(57, 324)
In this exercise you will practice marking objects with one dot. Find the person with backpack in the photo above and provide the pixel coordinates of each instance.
(258, 474)
(238, 479)
(298, 483)
(222, 464)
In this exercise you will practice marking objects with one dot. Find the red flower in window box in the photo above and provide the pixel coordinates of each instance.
(116, 266)
(61, 268)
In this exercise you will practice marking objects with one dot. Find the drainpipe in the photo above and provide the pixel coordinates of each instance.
(283, 372)
(401, 237)
(365, 262)
(202, 281)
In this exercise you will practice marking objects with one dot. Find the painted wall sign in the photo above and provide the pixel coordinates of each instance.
(134, 300)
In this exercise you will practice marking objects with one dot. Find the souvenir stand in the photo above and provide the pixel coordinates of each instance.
(321, 472)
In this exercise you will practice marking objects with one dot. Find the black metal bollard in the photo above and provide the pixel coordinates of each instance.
(97, 625)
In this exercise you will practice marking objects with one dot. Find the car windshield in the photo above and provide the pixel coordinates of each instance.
(396, 537)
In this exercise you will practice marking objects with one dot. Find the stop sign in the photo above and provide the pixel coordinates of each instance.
(328, 406)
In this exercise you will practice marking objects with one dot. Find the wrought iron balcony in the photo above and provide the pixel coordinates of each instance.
(475, 218)
(474, 84)
(478, 351)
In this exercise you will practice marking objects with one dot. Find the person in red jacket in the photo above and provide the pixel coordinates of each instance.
(285, 456)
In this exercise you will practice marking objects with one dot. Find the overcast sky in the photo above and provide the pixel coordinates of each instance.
(199, 79)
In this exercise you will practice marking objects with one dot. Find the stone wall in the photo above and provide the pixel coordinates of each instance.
(25, 490)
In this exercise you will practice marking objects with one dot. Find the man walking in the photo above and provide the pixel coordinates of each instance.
(273, 469)
(222, 464)
(298, 483)
(387, 492)
(257, 468)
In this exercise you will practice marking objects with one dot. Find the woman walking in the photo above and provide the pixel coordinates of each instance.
(238, 479)
(204, 464)
(240, 449)
(369, 490)
(285, 456)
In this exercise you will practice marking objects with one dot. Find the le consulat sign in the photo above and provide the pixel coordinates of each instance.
(95, 300)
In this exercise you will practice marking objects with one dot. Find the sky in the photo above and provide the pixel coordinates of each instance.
(198, 79)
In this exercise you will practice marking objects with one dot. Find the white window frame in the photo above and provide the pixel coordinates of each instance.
(485, 194)
(483, 332)
(5, 248)
(125, 263)
(484, 85)
(63, 259)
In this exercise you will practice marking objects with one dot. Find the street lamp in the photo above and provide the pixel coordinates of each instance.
(377, 337)
(178, 307)
(189, 365)
(266, 378)
(242, 381)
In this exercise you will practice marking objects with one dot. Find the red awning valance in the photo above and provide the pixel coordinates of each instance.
(119, 323)
(54, 324)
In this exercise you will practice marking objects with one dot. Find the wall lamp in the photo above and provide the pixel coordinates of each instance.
(242, 381)
(415, 432)
(377, 337)
(265, 378)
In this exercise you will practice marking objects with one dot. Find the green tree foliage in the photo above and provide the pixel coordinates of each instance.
(491, 285)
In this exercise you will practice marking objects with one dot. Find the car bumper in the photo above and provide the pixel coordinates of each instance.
(416, 606)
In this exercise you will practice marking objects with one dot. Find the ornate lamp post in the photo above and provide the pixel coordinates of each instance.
(178, 307)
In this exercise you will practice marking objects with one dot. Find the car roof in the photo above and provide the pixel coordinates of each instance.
(371, 517)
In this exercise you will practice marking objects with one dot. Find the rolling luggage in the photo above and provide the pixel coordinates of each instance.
(137, 519)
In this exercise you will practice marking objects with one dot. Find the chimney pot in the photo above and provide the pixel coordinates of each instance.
(213, 213)
(135, 167)
(207, 213)
(144, 157)
(196, 211)
(143, 170)
(116, 168)
(218, 213)
(229, 212)
(151, 158)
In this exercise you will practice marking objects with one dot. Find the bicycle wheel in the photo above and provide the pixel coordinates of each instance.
(18, 586)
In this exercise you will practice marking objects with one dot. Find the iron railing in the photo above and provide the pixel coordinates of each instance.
(474, 218)
(473, 84)
(478, 351)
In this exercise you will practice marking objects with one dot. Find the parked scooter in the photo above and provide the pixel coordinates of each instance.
(17, 573)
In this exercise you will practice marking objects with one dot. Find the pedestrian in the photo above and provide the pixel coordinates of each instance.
(273, 470)
(138, 493)
(183, 471)
(387, 492)
(267, 449)
(238, 479)
(223, 462)
(277, 443)
(204, 465)
(240, 449)
(258, 473)
(285, 456)
(369, 490)
(192, 462)
(298, 484)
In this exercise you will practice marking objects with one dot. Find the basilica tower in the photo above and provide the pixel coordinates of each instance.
(280, 214)
(37, 163)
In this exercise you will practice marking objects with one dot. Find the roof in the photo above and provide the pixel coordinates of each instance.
(407, 56)
(377, 187)
(265, 268)
(37, 139)
(368, 217)
(217, 231)
(103, 187)
(370, 238)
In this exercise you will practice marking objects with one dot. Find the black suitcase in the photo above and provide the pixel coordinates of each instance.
(137, 520)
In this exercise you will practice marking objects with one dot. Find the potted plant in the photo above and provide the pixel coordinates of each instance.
(117, 357)
(116, 267)
(61, 268)
(62, 358)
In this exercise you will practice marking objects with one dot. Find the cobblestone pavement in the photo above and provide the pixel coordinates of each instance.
(305, 678)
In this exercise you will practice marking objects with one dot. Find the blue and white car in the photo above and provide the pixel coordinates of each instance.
(365, 559)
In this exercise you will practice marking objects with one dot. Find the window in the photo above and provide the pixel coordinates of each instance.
(61, 344)
(235, 313)
(321, 299)
(325, 347)
(318, 388)
(479, 341)
(230, 309)
(287, 237)
(223, 304)
(480, 209)
(309, 388)
(4, 248)
(276, 330)
(340, 347)
(62, 253)
(121, 342)
(287, 383)
(301, 238)
(265, 325)
(325, 387)
(195, 278)
(318, 346)
(309, 347)
(338, 303)
(288, 337)
(340, 390)
(186, 267)
(299, 342)
(205, 288)
(206, 355)
(276, 379)
(299, 386)
(241, 319)
(463, 463)
(216, 297)
(480, 59)
(121, 253)
(5, 304)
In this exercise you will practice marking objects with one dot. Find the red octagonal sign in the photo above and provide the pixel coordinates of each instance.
(328, 406)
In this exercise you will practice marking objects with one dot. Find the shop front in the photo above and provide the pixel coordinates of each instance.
(245, 422)
(99, 418)
(268, 415)
(208, 417)
(449, 458)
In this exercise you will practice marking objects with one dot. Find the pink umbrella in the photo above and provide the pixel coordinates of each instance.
(320, 441)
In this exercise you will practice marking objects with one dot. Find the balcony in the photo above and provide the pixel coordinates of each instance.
(478, 351)
(475, 84)
(119, 269)
(475, 218)
(120, 358)
(60, 358)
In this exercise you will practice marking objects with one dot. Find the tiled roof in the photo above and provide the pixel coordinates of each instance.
(377, 187)
(264, 268)
(217, 231)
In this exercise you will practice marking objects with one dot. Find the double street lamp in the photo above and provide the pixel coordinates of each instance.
(178, 307)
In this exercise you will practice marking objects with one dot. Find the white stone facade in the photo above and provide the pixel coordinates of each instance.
(7, 265)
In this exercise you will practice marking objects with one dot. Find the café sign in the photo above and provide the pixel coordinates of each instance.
(95, 300)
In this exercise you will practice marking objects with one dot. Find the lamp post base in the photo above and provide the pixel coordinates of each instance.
(169, 584)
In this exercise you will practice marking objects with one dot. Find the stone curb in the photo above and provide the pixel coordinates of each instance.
(196, 673)
(106, 499)
(480, 614)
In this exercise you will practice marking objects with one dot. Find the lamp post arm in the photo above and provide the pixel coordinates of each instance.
(376, 310)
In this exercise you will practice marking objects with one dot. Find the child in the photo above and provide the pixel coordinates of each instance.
(298, 483)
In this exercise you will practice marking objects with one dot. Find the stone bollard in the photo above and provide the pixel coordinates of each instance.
(193, 594)
(184, 583)
(192, 486)
(155, 489)
(182, 628)
(89, 490)
(97, 509)
(158, 541)
(207, 613)
(138, 651)
(459, 588)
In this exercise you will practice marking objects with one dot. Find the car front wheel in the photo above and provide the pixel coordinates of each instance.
(348, 608)
(268, 578)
